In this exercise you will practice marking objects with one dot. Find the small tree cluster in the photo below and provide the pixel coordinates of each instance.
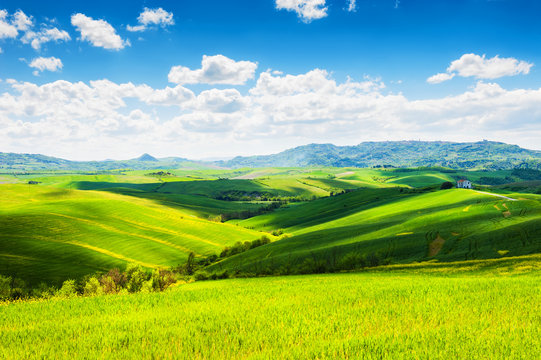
(242, 247)
(133, 279)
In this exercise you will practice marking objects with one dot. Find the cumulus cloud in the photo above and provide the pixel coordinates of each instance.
(352, 6)
(49, 64)
(307, 10)
(45, 35)
(439, 78)
(278, 111)
(20, 22)
(98, 32)
(8, 29)
(472, 65)
(150, 17)
(216, 69)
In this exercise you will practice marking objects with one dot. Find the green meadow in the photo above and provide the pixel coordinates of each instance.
(69, 225)
(52, 234)
(396, 267)
(386, 315)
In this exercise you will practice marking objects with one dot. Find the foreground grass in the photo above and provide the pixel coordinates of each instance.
(338, 316)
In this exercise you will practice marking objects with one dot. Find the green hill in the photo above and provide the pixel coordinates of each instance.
(51, 234)
(393, 225)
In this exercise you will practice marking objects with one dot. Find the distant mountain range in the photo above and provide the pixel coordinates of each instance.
(476, 155)
(483, 154)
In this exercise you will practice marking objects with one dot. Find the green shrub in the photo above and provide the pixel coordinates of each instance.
(68, 289)
(92, 287)
(201, 275)
(446, 185)
(135, 276)
(5, 287)
(19, 289)
(351, 261)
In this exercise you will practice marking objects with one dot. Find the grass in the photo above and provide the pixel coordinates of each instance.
(332, 316)
(50, 234)
(463, 283)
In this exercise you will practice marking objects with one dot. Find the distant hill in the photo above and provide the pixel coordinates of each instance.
(483, 154)
(478, 155)
(146, 157)
(35, 162)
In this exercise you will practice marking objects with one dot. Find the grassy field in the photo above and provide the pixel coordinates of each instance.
(72, 224)
(51, 234)
(397, 226)
(382, 315)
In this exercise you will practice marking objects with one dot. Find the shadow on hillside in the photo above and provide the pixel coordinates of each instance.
(196, 198)
(477, 236)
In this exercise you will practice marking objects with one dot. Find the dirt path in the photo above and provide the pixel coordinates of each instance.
(498, 195)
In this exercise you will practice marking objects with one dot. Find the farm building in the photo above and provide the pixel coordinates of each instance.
(463, 184)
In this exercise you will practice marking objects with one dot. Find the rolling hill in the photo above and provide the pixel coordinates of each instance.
(50, 234)
(392, 225)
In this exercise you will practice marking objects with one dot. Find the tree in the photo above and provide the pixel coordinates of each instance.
(68, 289)
(135, 277)
(446, 185)
(190, 264)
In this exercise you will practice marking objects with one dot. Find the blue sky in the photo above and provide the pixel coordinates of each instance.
(280, 73)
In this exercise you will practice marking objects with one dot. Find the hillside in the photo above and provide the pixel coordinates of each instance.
(484, 154)
(51, 234)
(375, 226)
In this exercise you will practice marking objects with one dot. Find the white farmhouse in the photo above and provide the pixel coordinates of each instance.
(463, 184)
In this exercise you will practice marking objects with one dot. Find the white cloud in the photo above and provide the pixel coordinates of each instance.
(493, 68)
(44, 35)
(7, 29)
(49, 64)
(98, 32)
(220, 101)
(106, 119)
(472, 65)
(24, 23)
(307, 10)
(439, 78)
(151, 17)
(216, 69)
(21, 21)
(352, 6)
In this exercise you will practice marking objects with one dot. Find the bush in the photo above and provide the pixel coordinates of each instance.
(351, 261)
(135, 276)
(5, 287)
(161, 279)
(18, 289)
(446, 185)
(313, 266)
(113, 281)
(43, 291)
(92, 287)
(201, 275)
(68, 289)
